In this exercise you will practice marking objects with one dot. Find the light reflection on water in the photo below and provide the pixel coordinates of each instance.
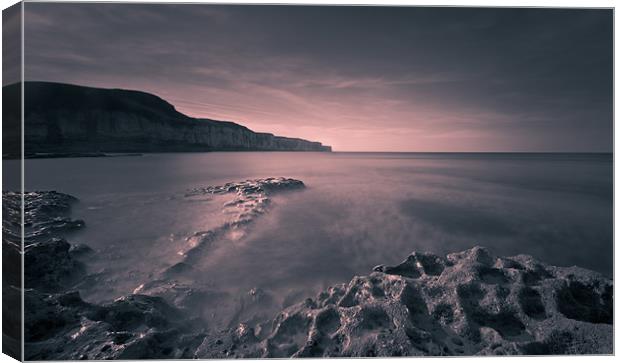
(359, 210)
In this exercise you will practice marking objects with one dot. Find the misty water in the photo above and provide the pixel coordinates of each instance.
(358, 210)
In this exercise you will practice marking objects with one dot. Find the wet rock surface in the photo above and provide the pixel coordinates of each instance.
(157, 321)
(48, 263)
(58, 323)
(251, 187)
(46, 214)
(465, 303)
(12, 274)
(50, 267)
(251, 199)
(64, 327)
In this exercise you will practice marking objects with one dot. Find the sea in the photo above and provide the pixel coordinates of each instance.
(357, 210)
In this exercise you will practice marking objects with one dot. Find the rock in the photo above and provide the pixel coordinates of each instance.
(251, 200)
(133, 311)
(64, 327)
(80, 250)
(189, 299)
(467, 303)
(50, 267)
(46, 215)
(251, 189)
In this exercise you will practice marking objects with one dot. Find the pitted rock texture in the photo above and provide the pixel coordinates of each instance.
(468, 303)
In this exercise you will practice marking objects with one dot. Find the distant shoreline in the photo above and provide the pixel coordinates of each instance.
(431, 154)
(478, 152)
(58, 155)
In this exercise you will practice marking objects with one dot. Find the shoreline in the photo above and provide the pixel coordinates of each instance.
(418, 154)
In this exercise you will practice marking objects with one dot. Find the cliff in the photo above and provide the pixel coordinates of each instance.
(63, 118)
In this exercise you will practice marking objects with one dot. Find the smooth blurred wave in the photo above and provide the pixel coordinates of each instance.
(358, 210)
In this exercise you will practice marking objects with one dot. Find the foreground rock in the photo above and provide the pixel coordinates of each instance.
(49, 265)
(64, 327)
(468, 303)
(58, 324)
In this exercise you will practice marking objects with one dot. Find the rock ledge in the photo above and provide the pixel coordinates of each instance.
(467, 303)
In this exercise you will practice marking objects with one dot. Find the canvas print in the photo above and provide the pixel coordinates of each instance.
(198, 181)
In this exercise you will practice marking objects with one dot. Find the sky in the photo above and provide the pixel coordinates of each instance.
(355, 78)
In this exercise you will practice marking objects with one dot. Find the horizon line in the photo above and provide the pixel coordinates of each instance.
(477, 152)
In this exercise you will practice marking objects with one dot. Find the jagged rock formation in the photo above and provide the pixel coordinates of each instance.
(68, 119)
(48, 261)
(64, 327)
(467, 303)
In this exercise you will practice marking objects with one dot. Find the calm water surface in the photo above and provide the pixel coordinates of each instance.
(359, 210)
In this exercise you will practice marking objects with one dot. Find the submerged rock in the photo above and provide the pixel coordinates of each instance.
(251, 197)
(251, 200)
(251, 187)
(468, 303)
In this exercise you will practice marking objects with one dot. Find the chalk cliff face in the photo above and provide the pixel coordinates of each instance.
(61, 118)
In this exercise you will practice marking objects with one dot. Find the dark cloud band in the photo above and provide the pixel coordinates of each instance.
(358, 78)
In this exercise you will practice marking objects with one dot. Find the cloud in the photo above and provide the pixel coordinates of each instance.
(502, 79)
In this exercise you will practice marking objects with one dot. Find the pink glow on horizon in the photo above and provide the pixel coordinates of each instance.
(348, 120)
(351, 122)
(349, 115)
(383, 79)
